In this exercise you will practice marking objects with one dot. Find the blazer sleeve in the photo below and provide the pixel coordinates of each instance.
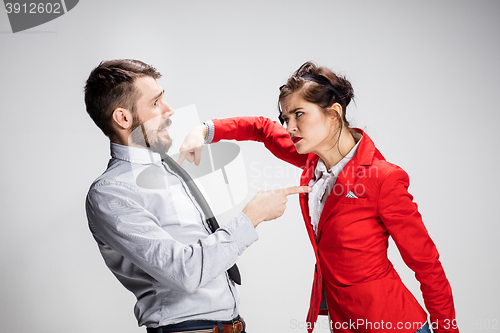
(400, 216)
(273, 135)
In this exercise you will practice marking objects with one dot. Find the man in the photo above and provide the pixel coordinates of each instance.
(152, 226)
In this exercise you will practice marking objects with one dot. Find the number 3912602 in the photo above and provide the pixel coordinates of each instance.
(33, 8)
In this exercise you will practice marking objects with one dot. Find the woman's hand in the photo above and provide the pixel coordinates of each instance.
(192, 145)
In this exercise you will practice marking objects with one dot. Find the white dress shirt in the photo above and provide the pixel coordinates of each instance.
(153, 236)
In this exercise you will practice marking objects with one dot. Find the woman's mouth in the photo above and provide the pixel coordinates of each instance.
(296, 139)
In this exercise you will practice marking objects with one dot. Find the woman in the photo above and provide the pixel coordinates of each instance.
(358, 200)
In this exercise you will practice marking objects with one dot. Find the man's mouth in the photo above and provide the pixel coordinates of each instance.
(296, 139)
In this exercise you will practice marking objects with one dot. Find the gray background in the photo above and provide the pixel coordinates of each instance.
(426, 78)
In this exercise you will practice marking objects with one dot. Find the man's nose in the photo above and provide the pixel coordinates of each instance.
(167, 110)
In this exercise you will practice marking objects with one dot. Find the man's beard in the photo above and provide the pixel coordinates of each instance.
(145, 137)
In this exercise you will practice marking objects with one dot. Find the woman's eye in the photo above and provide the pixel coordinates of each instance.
(298, 114)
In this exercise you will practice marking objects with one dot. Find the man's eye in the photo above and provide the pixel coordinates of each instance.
(155, 103)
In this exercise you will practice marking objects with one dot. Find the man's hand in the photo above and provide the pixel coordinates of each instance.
(192, 145)
(269, 205)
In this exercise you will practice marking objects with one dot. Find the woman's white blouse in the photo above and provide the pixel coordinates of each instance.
(322, 184)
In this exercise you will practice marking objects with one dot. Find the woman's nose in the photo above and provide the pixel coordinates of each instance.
(291, 126)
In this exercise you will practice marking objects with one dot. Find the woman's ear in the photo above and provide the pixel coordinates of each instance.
(122, 118)
(336, 111)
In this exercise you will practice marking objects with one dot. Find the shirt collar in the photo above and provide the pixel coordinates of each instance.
(134, 154)
(337, 168)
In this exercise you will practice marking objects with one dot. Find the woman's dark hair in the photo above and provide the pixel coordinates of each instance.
(111, 85)
(321, 86)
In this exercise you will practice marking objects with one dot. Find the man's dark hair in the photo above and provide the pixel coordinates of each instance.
(111, 85)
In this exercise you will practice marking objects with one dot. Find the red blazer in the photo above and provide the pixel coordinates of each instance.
(363, 291)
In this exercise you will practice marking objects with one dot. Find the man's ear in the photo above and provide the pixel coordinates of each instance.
(123, 118)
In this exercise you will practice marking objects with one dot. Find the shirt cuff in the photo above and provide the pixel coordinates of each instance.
(243, 231)
(210, 131)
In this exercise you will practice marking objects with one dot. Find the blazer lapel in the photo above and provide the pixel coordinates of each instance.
(345, 182)
(348, 177)
(306, 177)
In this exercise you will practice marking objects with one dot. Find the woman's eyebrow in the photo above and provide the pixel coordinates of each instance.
(293, 111)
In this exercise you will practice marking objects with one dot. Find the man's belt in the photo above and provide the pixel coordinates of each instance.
(237, 325)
